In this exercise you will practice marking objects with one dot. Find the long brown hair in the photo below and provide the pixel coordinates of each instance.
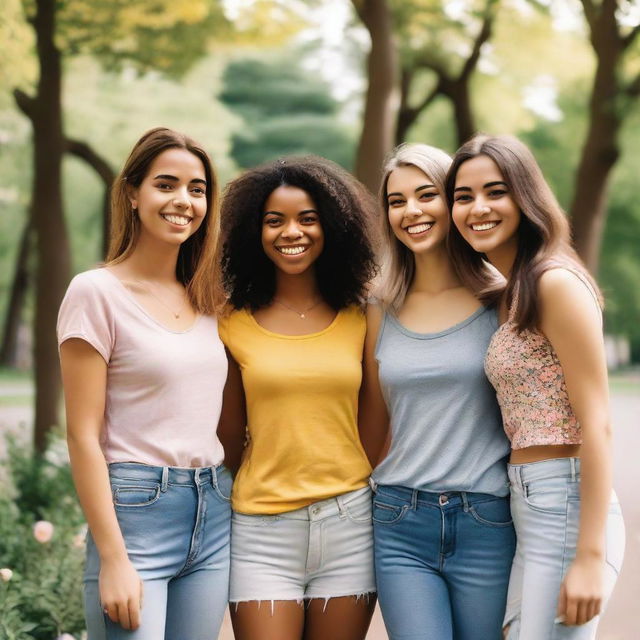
(544, 239)
(197, 267)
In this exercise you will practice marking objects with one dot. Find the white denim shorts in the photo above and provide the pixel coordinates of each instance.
(324, 551)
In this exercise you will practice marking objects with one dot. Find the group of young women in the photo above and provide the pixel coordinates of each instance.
(360, 367)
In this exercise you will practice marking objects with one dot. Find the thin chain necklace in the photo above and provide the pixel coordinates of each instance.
(301, 314)
(175, 314)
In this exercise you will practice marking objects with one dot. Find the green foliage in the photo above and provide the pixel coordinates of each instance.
(43, 597)
(286, 110)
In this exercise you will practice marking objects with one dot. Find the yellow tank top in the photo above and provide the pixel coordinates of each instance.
(302, 401)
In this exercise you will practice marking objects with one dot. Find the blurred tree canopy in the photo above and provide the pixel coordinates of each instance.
(285, 110)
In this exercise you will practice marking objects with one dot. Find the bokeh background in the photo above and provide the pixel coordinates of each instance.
(80, 80)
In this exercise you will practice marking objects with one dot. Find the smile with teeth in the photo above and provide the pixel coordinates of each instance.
(183, 221)
(292, 251)
(484, 226)
(419, 228)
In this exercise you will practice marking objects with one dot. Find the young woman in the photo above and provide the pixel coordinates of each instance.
(143, 371)
(444, 539)
(548, 366)
(297, 256)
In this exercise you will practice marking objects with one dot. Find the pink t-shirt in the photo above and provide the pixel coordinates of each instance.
(164, 387)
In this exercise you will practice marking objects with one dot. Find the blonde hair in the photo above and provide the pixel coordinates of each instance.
(198, 267)
(398, 262)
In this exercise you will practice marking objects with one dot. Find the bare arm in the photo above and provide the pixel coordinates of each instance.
(572, 322)
(233, 419)
(373, 419)
(84, 375)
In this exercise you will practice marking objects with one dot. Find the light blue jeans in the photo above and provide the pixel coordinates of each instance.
(545, 503)
(175, 523)
(442, 563)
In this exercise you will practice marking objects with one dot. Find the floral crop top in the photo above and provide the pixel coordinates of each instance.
(530, 386)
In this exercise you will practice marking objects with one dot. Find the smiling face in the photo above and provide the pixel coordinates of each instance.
(171, 200)
(484, 210)
(416, 210)
(292, 236)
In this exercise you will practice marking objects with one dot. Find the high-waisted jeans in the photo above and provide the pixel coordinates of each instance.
(175, 523)
(442, 563)
(545, 502)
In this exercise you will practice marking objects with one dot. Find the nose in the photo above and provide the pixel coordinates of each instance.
(412, 207)
(292, 231)
(480, 207)
(181, 199)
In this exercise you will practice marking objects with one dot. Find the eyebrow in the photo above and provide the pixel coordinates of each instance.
(485, 186)
(163, 176)
(420, 188)
(278, 213)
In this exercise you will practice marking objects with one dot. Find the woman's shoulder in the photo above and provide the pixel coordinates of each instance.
(93, 283)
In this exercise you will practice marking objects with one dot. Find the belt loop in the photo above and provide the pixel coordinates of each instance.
(465, 501)
(414, 499)
(373, 484)
(573, 469)
(520, 476)
(341, 508)
(196, 476)
(165, 479)
(214, 477)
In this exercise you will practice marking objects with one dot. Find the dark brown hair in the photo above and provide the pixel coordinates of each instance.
(197, 267)
(544, 239)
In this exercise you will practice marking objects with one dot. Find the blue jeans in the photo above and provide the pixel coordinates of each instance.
(442, 563)
(175, 523)
(545, 500)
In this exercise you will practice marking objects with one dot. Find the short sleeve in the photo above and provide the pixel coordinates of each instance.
(85, 314)
(223, 330)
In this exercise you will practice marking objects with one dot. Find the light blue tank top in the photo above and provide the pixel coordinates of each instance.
(446, 427)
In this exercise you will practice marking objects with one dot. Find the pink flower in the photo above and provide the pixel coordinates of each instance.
(6, 574)
(43, 531)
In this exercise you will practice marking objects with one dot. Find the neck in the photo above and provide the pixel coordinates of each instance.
(299, 289)
(502, 258)
(154, 261)
(434, 272)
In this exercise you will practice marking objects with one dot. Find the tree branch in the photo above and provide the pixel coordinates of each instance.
(590, 12)
(26, 103)
(627, 41)
(483, 36)
(85, 152)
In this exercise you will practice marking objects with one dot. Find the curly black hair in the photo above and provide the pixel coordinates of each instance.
(347, 212)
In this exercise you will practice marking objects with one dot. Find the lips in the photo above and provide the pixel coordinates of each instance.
(484, 226)
(421, 227)
(180, 220)
(293, 250)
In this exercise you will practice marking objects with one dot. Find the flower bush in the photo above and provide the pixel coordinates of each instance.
(41, 556)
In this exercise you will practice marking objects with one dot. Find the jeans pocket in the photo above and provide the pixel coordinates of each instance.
(548, 496)
(615, 538)
(359, 511)
(138, 495)
(223, 483)
(492, 513)
(387, 513)
(249, 520)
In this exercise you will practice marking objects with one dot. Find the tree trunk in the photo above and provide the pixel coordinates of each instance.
(462, 111)
(381, 102)
(85, 152)
(600, 151)
(19, 286)
(52, 244)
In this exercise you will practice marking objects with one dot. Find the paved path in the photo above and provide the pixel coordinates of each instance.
(622, 619)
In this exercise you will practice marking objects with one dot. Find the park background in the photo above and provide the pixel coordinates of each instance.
(80, 80)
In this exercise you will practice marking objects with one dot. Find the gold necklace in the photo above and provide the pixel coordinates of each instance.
(176, 314)
(301, 314)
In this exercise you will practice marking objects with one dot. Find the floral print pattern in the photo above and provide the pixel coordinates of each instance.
(531, 390)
